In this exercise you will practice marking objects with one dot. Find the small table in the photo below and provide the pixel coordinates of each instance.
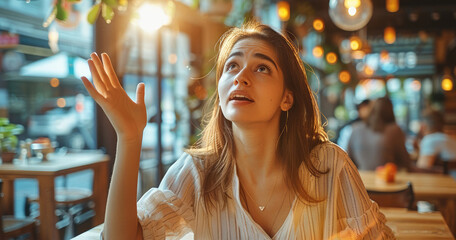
(437, 188)
(406, 225)
(418, 226)
(45, 172)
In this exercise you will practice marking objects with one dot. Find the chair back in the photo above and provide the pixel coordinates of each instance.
(403, 198)
(447, 165)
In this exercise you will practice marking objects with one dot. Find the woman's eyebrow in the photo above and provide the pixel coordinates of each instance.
(267, 58)
(258, 55)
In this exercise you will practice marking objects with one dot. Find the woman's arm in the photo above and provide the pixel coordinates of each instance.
(128, 119)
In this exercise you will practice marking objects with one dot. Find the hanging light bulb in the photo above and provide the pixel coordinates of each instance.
(389, 35)
(283, 10)
(355, 43)
(392, 5)
(350, 15)
(344, 76)
(317, 51)
(318, 25)
(447, 84)
(331, 58)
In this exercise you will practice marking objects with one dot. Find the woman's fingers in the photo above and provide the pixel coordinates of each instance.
(110, 70)
(92, 91)
(101, 71)
(99, 84)
(140, 89)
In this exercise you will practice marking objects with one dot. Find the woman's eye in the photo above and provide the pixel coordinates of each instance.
(263, 68)
(230, 66)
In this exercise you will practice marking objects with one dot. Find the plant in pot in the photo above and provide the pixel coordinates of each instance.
(8, 139)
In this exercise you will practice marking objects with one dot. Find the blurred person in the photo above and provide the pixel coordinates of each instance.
(435, 144)
(263, 167)
(380, 140)
(345, 131)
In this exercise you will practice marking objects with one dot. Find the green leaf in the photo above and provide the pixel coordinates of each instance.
(4, 121)
(107, 13)
(74, 1)
(93, 13)
(61, 13)
(110, 3)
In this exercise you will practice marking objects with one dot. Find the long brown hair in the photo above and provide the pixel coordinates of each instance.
(381, 114)
(216, 146)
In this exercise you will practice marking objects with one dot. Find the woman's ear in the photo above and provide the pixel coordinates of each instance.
(287, 101)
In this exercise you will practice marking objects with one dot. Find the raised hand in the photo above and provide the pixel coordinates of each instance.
(127, 117)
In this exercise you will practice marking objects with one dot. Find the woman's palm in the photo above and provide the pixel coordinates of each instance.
(127, 117)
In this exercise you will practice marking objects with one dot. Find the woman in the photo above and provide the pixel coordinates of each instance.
(379, 140)
(263, 167)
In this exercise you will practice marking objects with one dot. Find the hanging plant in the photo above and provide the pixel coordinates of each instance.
(63, 8)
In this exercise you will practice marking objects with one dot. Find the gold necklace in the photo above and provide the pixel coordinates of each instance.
(261, 207)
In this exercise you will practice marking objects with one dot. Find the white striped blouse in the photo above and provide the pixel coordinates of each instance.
(175, 209)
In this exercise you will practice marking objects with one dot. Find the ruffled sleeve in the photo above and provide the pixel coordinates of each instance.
(358, 216)
(168, 212)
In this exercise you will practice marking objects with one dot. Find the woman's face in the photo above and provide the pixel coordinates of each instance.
(251, 88)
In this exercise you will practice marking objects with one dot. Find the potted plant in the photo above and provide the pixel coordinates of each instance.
(8, 139)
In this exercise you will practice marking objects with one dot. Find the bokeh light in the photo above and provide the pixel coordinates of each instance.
(54, 82)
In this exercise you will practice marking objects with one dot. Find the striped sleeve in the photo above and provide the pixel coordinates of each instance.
(358, 216)
(167, 212)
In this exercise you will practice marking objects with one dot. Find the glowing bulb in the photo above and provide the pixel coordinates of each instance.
(384, 56)
(355, 43)
(350, 15)
(331, 58)
(152, 16)
(447, 84)
(352, 11)
(61, 102)
(54, 82)
(392, 5)
(389, 35)
(368, 71)
(283, 10)
(318, 25)
(344, 76)
(317, 51)
(352, 3)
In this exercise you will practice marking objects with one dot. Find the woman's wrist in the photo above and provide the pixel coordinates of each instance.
(129, 138)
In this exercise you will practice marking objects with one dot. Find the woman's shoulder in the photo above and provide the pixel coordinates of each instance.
(184, 169)
(327, 147)
(328, 155)
(189, 162)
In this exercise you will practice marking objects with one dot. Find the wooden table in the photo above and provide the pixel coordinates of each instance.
(436, 188)
(413, 225)
(45, 173)
(406, 225)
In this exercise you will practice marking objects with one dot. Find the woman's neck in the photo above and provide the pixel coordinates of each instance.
(256, 151)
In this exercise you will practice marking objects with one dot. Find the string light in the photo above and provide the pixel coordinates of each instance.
(283, 10)
(317, 51)
(389, 35)
(392, 5)
(318, 25)
(54, 82)
(344, 76)
(447, 84)
(331, 58)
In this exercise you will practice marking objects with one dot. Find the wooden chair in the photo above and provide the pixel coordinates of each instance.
(11, 227)
(70, 202)
(446, 165)
(403, 198)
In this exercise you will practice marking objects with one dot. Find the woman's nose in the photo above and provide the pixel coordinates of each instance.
(242, 79)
